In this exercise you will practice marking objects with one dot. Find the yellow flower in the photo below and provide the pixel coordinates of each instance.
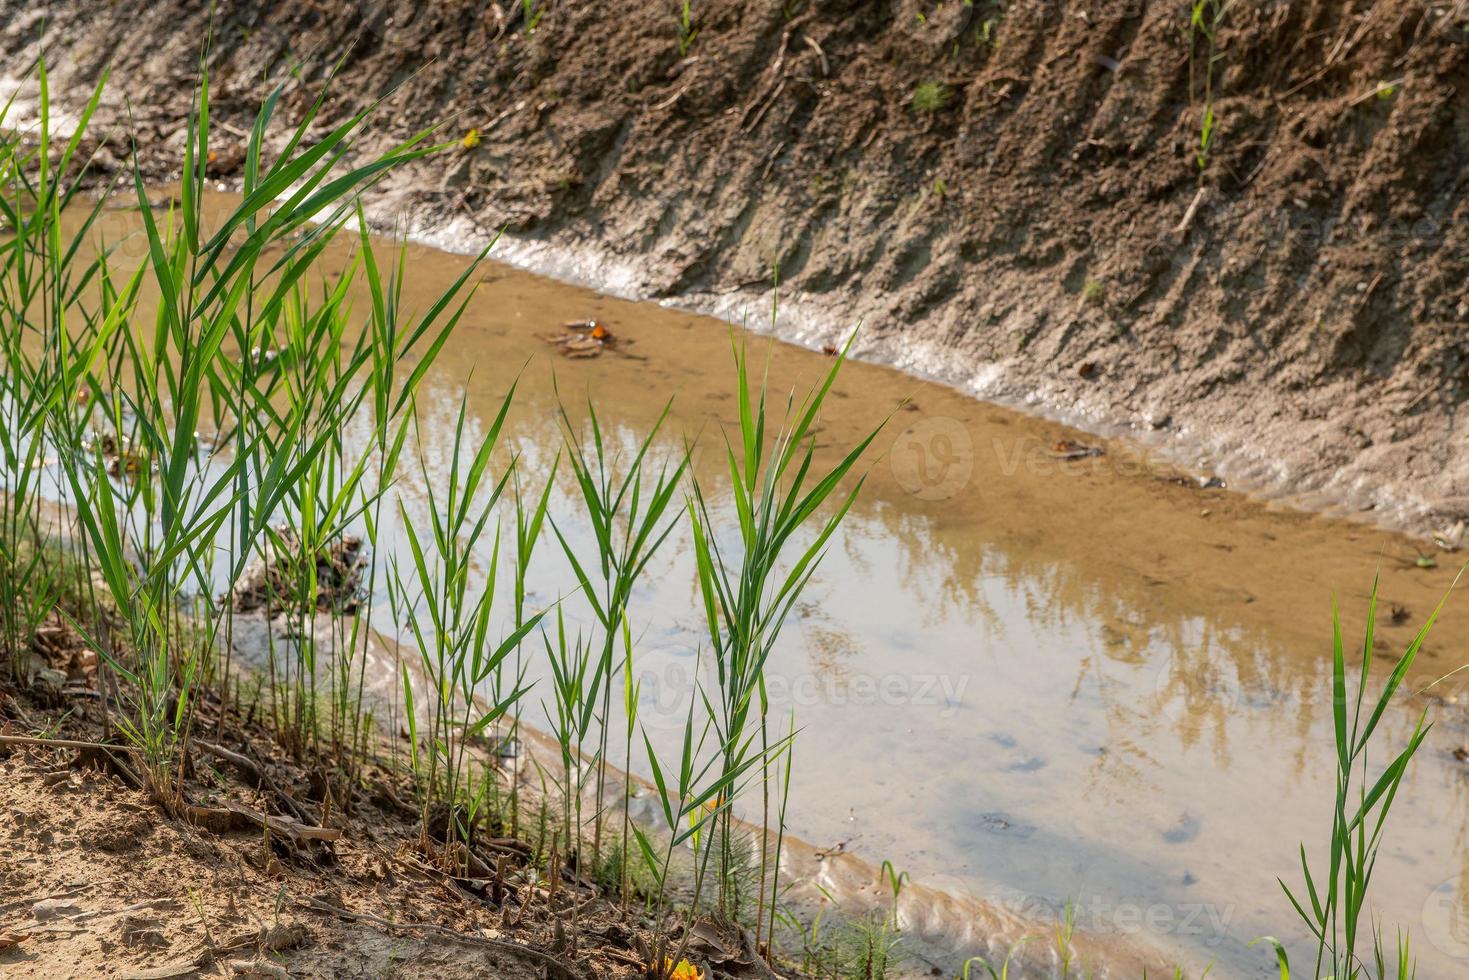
(471, 139)
(684, 971)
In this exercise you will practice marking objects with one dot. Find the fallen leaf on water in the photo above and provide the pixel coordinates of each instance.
(585, 338)
(576, 345)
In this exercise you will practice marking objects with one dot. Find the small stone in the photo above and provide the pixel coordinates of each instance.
(86, 662)
(50, 679)
(51, 909)
(142, 932)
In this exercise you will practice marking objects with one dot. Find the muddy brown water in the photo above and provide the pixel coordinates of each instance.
(1024, 675)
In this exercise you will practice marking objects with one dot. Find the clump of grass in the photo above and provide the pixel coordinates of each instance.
(450, 625)
(895, 880)
(693, 798)
(153, 536)
(37, 393)
(851, 949)
(394, 338)
(1334, 898)
(280, 482)
(746, 592)
(576, 698)
(631, 510)
(1002, 972)
(622, 872)
(529, 521)
(931, 97)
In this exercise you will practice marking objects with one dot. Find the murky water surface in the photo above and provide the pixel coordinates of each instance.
(1019, 676)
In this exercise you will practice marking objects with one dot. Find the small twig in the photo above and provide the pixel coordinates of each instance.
(262, 779)
(1193, 209)
(506, 114)
(233, 816)
(770, 161)
(1377, 89)
(258, 968)
(773, 72)
(65, 743)
(1341, 47)
(122, 769)
(811, 42)
(659, 107)
(1372, 287)
(92, 914)
(622, 957)
(750, 126)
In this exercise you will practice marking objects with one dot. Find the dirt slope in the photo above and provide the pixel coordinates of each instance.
(1294, 317)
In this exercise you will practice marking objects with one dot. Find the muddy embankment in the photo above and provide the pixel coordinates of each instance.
(1007, 194)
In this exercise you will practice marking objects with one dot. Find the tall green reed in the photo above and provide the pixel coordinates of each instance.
(42, 278)
(693, 798)
(1334, 900)
(394, 336)
(574, 697)
(630, 516)
(529, 521)
(449, 618)
(749, 584)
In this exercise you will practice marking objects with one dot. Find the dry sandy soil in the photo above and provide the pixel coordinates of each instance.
(258, 875)
(1294, 316)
